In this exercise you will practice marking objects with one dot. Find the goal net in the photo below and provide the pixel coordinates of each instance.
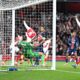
(5, 37)
(27, 24)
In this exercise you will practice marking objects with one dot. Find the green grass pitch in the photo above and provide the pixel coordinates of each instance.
(63, 72)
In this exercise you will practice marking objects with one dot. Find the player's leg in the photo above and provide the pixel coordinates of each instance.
(72, 58)
(37, 61)
(37, 58)
(29, 58)
(67, 55)
(46, 56)
(17, 53)
(76, 57)
(40, 54)
(22, 59)
(22, 56)
(37, 54)
(39, 49)
(42, 58)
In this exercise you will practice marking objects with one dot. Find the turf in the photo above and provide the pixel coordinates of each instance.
(63, 72)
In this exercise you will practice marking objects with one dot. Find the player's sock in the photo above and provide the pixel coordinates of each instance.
(66, 60)
(43, 58)
(21, 61)
(77, 61)
(37, 61)
(31, 61)
(74, 65)
(45, 61)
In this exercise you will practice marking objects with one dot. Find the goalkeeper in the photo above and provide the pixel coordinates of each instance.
(27, 49)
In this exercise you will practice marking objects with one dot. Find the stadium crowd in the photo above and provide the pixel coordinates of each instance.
(41, 16)
(66, 24)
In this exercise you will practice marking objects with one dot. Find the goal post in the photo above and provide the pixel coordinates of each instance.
(40, 15)
(13, 37)
(54, 37)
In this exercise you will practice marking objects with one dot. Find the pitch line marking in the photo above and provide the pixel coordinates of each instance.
(68, 71)
(53, 70)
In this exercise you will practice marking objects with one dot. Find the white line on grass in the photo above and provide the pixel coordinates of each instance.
(51, 70)
(68, 71)
(3, 70)
(43, 70)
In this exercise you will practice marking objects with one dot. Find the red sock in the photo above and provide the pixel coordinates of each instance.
(45, 59)
(77, 61)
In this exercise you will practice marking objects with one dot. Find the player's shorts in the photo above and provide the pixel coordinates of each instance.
(39, 49)
(35, 54)
(27, 56)
(46, 52)
(31, 54)
(16, 49)
(71, 51)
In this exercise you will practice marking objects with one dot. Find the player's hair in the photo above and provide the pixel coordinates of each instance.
(42, 27)
(16, 35)
(73, 31)
(24, 38)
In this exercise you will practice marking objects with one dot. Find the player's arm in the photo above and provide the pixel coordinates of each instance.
(69, 41)
(33, 39)
(78, 22)
(25, 24)
(42, 41)
(77, 42)
(36, 44)
(20, 43)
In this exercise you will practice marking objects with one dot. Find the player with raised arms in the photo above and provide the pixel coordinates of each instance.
(30, 33)
(73, 44)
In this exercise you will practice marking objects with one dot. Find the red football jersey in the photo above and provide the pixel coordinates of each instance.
(30, 33)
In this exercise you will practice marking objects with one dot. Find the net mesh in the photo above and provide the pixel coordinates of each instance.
(5, 34)
(36, 16)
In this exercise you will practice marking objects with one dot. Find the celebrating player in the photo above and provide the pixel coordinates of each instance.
(73, 43)
(30, 33)
(41, 38)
